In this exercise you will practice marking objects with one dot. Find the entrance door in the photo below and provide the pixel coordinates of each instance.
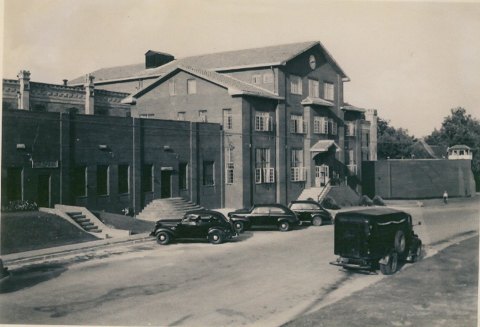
(14, 184)
(322, 175)
(43, 190)
(166, 184)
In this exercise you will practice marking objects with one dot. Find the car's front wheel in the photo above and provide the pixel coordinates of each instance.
(284, 226)
(163, 238)
(215, 237)
(239, 226)
(390, 265)
(317, 221)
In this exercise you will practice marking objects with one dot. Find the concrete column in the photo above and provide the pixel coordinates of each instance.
(24, 93)
(89, 95)
(371, 116)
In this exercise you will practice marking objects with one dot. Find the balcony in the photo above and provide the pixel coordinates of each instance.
(298, 174)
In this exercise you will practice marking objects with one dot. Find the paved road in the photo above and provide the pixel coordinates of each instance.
(264, 278)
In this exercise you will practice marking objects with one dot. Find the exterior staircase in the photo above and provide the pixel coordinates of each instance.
(315, 193)
(84, 222)
(166, 209)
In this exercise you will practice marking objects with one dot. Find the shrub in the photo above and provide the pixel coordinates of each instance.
(378, 201)
(20, 205)
(365, 201)
(330, 203)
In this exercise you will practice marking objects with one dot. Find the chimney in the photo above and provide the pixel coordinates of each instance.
(371, 116)
(89, 94)
(24, 93)
(156, 59)
(65, 82)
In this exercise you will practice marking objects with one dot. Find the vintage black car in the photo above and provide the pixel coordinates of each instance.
(375, 237)
(264, 215)
(311, 212)
(198, 224)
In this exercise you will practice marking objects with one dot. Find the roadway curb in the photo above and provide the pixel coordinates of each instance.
(37, 256)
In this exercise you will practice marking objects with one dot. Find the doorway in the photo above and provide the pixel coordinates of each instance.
(166, 184)
(322, 175)
(44, 191)
(14, 184)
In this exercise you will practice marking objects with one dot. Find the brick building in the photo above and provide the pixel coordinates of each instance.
(286, 127)
(107, 163)
(280, 127)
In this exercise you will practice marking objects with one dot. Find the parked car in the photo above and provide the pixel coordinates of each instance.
(264, 215)
(198, 224)
(311, 212)
(375, 237)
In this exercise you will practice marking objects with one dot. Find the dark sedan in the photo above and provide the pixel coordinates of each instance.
(199, 224)
(264, 215)
(311, 211)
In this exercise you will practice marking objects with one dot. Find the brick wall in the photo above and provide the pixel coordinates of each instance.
(417, 179)
(58, 143)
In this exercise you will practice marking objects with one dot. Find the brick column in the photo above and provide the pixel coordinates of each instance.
(24, 93)
(89, 95)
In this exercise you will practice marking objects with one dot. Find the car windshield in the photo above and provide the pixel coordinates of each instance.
(303, 206)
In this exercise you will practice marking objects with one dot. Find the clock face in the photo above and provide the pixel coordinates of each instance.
(312, 62)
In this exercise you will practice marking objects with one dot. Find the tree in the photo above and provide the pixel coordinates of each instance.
(393, 143)
(460, 128)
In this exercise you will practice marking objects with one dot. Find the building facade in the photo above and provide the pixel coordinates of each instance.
(284, 125)
(108, 163)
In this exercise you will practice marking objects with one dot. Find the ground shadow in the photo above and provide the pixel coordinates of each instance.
(29, 276)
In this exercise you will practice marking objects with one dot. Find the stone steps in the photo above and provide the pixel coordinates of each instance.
(84, 222)
(167, 209)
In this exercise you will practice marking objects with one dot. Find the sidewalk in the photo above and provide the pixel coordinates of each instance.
(59, 251)
(438, 291)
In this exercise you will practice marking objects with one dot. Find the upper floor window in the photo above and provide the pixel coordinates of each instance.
(256, 79)
(297, 158)
(171, 87)
(202, 116)
(268, 78)
(191, 86)
(332, 126)
(181, 115)
(350, 129)
(320, 125)
(313, 88)
(295, 85)
(263, 122)
(229, 166)
(227, 119)
(297, 125)
(328, 91)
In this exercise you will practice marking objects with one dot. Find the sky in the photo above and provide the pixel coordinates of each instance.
(412, 61)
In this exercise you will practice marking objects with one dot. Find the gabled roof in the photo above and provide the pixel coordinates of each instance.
(459, 147)
(316, 101)
(233, 85)
(349, 107)
(276, 55)
(324, 146)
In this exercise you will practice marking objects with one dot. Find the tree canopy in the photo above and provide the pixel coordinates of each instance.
(393, 143)
(460, 128)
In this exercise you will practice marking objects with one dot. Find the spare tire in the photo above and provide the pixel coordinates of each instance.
(400, 243)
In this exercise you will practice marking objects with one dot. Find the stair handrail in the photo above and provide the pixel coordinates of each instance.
(323, 190)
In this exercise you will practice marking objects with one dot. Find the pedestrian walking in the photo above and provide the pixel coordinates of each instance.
(445, 197)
